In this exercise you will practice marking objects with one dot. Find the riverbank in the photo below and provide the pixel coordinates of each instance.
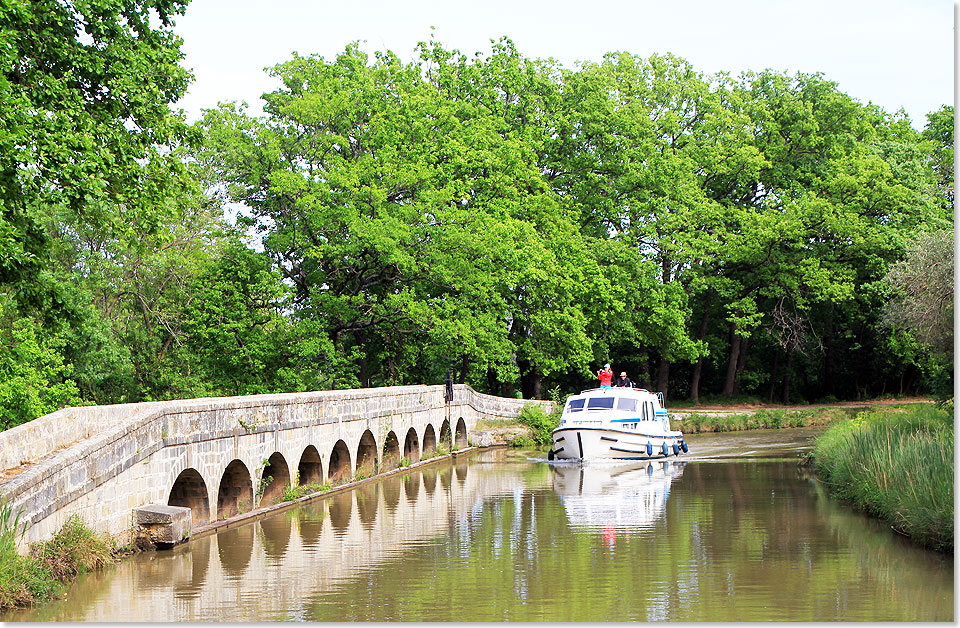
(896, 464)
(50, 566)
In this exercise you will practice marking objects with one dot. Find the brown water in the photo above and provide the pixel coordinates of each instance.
(707, 537)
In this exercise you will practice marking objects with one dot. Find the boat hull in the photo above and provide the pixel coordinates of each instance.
(579, 443)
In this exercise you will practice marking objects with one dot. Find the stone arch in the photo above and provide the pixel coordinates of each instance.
(367, 455)
(461, 439)
(411, 446)
(310, 469)
(273, 479)
(429, 442)
(235, 494)
(189, 490)
(445, 434)
(391, 452)
(339, 470)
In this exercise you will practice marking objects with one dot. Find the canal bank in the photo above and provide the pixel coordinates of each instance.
(502, 535)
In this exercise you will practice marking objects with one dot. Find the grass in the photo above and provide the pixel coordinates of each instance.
(291, 493)
(763, 418)
(897, 464)
(50, 565)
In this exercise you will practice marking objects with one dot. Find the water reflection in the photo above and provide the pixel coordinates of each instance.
(235, 547)
(620, 494)
(514, 540)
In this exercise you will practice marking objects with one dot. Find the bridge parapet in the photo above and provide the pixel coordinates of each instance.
(103, 461)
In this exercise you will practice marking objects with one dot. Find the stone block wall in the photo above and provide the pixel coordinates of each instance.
(102, 462)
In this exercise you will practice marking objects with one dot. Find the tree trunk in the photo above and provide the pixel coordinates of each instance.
(828, 364)
(643, 377)
(698, 368)
(773, 376)
(786, 376)
(741, 362)
(732, 362)
(663, 375)
(464, 363)
(493, 383)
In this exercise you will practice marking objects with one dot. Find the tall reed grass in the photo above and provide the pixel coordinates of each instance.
(896, 464)
(42, 574)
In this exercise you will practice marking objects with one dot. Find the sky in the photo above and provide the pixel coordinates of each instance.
(893, 53)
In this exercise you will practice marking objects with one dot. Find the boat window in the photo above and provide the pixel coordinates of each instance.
(625, 403)
(575, 405)
(643, 408)
(600, 403)
(653, 412)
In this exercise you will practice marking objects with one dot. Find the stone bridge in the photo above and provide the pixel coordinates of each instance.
(224, 456)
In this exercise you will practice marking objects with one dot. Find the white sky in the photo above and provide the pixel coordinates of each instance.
(894, 53)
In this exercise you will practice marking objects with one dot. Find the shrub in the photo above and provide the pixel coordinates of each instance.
(542, 424)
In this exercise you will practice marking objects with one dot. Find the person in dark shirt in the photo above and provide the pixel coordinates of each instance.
(623, 381)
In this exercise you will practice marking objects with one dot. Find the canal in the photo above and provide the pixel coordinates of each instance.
(733, 531)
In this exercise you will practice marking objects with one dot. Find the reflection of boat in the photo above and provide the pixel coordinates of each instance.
(630, 494)
(625, 423)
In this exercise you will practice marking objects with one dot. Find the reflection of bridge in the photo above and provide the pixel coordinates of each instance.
(102, 462)
(273, 567)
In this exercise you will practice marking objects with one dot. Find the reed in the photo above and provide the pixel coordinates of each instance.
(41, 576)
(896, 464)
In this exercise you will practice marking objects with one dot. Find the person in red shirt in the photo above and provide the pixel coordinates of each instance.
(605, 375)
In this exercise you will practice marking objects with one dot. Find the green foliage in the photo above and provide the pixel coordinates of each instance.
(41, 575)
(291, 493)
(897, 465)
(540, 422)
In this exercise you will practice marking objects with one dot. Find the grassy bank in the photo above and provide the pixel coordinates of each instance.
(44, 573)
(897, 464)
(763, 418)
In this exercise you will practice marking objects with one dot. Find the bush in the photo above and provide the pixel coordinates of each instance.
(542, 424)
(896, 464)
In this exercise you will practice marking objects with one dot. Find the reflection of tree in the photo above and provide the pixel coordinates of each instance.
(737, 542)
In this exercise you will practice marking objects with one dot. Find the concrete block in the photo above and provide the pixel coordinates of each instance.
(162, 525)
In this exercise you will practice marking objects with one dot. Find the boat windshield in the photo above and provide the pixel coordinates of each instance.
(575, 405)
(600, 403)
(626, 403)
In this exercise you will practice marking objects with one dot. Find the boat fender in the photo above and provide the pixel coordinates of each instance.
(676, 449)
(649, 448)
(665, 450)
(650, 469)
(550, 455)
(683, 446)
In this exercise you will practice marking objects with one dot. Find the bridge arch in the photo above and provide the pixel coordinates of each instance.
(310, 469)
(445, 434)
(339, 470)
(367, 455)
(190, 491)
(274, 478)
(429, 441)
(391, 452)
(235, 494)
(461, 440)
(411, 446)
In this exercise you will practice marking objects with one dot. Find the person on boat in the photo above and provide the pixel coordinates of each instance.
(606, 376)
(623, 381)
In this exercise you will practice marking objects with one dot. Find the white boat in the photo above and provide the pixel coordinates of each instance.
(617, 423)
